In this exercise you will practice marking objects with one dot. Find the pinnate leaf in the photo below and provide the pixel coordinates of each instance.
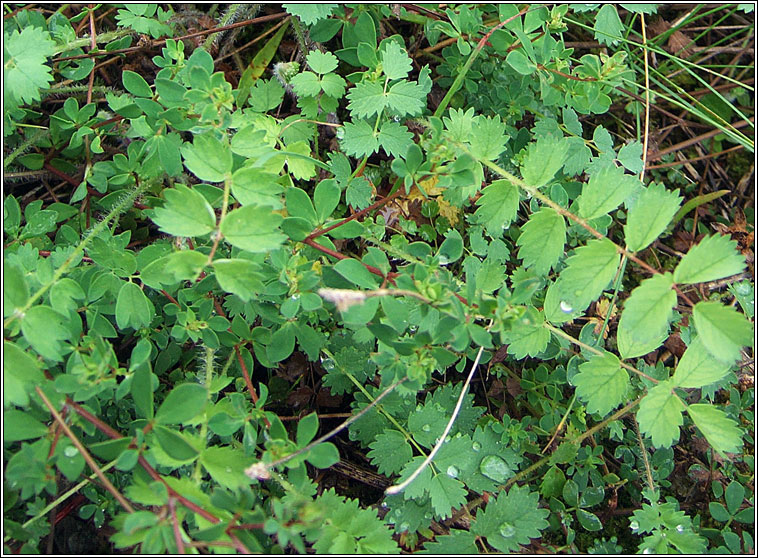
(24, 69)
(390, 452)
(660, 415)
(722, 329)
(446, 494)
(488, 138)
(650, 216)
(542, 240)
(647, 312)
(601, 383)
(715, 257)
(395, 61)
(184, 213)
(720, 431)
(359, 139)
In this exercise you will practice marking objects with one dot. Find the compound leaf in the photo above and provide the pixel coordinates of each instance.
(390, 452)
(446, 494)
(543, 159)
(24, 69)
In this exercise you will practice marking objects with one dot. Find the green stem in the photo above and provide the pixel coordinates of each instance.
(229, 16)
(23, 146)
(101, 38)
(120, 207)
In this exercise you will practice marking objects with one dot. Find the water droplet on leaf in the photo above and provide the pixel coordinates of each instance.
(507, 530)
(495, 468)
(70, 451)
(426, 428)
(452, 471)
(634, 525)
(476, 446)
(566, 307)
(680, 528)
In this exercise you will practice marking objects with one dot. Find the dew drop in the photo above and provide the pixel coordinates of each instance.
(634, 525)
(70, 451)
(647, 551)
(384, 505)
(476, 446)
(327, 364)
(680, 528)
(566, 307)
(228, 469)
(404, 526)
(426, 428)
(495, 468)
(507, 530)
(452, 471)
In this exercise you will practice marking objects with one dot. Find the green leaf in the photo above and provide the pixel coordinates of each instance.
(45, 330)
(24, 64)
(322, 62)
(359, 139)
(543, 159)
(526, 335)
(601, 383)
(650, 216)
(366, 99)
(396, 64)
(720, 431)
(15, 289)
(185, 265)
(355, 272)
(306, 84)
(174, 444)
(20, 374)
(185, 213)
(133, 308)
(542, 240)
(608, 27)
(323, 456)
(715, 257)
(307, 427)
(252, 186)
(310, 13)
(358, 193)
(660, 414)
(18, 425)
(390, 452)
(587, 273)
(456, 542)
(722, 330)
(334, 86)
(644, 324)
(207, 158)
(446, 494)
(136, 84)
(605, 191)
(226, 466)
(734, 496)
(519, 62)
(299, 205)
(589, 520)
(182, 404)
(395, 138)
(240, 277)
(511, 519)
(142, 392)
(698, 368)
(488, 138)
(282, 343)
(406, 98)
(254, 229)
(326, 198)
(498, 206)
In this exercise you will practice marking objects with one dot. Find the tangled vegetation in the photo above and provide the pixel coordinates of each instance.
(378, 278)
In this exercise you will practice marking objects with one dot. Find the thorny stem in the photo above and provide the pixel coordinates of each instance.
(85, 454)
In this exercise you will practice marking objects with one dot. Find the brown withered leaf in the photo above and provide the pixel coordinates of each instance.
(326, 399)
(300, 397)
(295, 366)
(675, 345)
